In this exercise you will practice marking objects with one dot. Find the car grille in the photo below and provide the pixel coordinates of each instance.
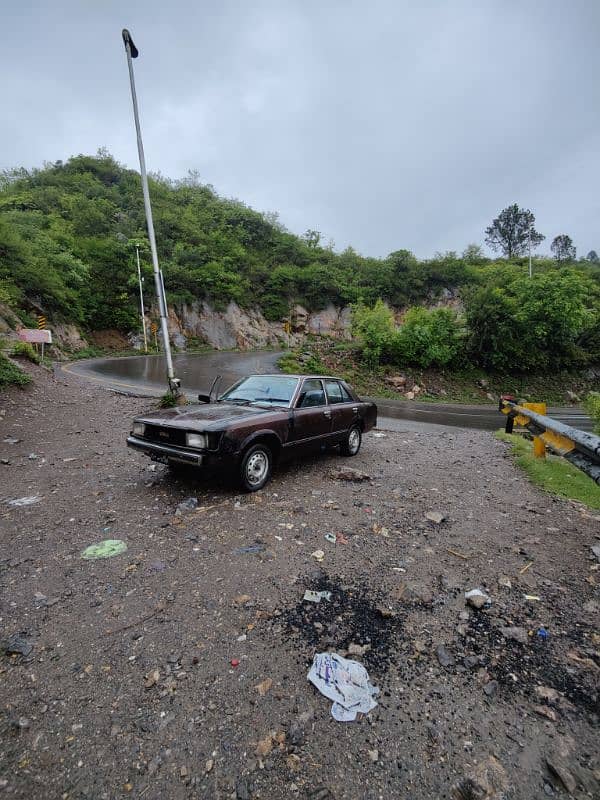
(155, 433)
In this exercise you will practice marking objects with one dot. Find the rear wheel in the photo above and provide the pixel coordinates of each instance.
(256, 467)
(352, 442)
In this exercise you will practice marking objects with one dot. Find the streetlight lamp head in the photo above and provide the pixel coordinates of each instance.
(127, 40)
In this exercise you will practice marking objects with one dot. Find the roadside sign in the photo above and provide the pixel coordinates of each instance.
(35, 336)
(41, 321)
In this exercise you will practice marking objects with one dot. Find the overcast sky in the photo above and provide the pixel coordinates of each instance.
(384, 124)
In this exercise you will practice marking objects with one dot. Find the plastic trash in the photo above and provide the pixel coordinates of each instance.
(346, 683)
(542, 633)
(316, 597)
(106, 549)
(331, 537)
(24, 501)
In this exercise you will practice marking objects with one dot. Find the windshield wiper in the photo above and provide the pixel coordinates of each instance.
(240, 401)
(270, 400)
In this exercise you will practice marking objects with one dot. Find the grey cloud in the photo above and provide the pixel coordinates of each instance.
(385, 125)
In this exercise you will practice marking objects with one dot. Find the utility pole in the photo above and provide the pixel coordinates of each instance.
(529, 248)
(174, 383)
(137, 254)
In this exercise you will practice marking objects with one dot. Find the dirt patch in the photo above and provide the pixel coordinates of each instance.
(138, 675)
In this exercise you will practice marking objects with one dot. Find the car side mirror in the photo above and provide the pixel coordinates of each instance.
(204, 398)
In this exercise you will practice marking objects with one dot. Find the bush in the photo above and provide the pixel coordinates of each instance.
(25, 350)
(168, 400)
(375, 330)
(592, 406)
(428, 338)
(531, 324)
(11, 375)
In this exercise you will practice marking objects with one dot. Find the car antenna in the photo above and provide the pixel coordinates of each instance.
(213, 388)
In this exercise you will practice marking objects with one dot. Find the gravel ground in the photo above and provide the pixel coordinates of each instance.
(142, 675)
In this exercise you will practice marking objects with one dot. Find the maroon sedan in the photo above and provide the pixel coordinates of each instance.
(260, 420)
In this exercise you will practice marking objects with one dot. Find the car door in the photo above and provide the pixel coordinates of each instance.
(344, 410)
(311, 417)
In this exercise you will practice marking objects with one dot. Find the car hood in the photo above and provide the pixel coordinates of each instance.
(205, 416)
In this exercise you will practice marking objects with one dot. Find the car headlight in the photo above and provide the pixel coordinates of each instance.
(139, 428)
(196, 440)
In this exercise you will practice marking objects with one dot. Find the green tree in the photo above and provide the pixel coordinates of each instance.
(563, 248)
(512, 230)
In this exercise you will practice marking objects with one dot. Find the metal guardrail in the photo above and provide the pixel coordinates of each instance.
(580, 448)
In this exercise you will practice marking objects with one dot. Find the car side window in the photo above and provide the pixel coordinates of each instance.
(346, 396)
(334, 392)
(311, 394)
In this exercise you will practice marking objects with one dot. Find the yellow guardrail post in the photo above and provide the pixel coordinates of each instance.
(580, 448)
(539, 446)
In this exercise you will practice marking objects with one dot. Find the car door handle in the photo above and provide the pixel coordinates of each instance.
(355, 409)
(327, 413)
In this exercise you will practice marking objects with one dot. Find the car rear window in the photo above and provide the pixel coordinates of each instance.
(334, 392)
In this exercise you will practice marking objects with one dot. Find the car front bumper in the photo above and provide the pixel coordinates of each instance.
(163, 453)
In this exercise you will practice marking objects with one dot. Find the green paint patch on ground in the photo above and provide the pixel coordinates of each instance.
(552, 474)
(105, 549)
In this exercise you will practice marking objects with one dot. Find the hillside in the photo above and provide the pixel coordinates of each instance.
(68, 233)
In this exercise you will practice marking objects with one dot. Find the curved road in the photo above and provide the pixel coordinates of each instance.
(145, 375)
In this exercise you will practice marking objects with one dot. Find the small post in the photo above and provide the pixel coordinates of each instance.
(139, 271)
(539, 448)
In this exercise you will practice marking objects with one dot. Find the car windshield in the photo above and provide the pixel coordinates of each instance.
(262, 389)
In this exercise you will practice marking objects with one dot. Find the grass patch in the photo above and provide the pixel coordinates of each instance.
(592, 406)
(552, 474)
(25, 350)
(11, 375)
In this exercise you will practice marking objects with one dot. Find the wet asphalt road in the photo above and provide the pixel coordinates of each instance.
(145, 375)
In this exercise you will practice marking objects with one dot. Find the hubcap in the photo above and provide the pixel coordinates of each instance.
(257, 467)
(354, 440)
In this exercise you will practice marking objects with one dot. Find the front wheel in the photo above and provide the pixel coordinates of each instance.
(351, 444)
(256, 467)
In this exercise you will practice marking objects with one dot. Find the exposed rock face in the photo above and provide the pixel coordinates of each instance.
(247, 329)
(68, 336)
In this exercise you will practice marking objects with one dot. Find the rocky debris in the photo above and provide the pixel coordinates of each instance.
(358, 649)
(559, 767)
(547, 693)
(596, 551)
(298, 728)
(490, 688)
(435, 516)
(444, 658)
(504, 581)
(544, 711)
(351, 474)
(17, 644)
(186, 506)
(486, 781)
(397, 381)
(516, 634)
(243, 789)
(373, 755)
(477, 598)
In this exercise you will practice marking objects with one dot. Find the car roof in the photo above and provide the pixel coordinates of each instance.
(297, 375)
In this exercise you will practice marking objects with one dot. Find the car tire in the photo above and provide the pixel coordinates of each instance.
(352, 441)
(256, 467)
